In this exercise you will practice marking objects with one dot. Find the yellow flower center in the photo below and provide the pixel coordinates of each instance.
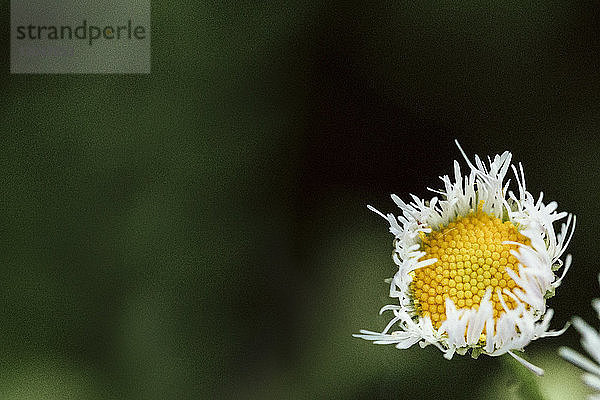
(470, 259)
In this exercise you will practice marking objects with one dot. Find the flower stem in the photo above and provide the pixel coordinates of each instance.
(527, 383)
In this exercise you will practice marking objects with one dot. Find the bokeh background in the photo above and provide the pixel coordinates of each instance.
(202, 232)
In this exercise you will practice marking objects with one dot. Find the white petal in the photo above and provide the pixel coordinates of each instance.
(536, 370)
(577, 359)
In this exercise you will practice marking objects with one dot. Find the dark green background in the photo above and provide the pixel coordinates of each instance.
(201, 232)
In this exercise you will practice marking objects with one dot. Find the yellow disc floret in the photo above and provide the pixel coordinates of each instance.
(470, 259)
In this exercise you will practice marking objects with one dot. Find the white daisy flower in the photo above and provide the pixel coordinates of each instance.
(475, 265)
(590, 340)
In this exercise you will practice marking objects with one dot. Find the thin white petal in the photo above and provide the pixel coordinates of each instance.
(577, 359)
(536, 370)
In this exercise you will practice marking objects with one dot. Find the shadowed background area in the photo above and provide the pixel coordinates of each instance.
(202, 232)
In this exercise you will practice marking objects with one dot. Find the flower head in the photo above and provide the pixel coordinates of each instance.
(475, 265)
(590, 340)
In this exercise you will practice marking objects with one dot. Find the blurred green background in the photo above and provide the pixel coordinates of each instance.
(201, 232)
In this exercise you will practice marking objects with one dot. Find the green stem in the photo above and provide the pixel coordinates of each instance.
(527, 382)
